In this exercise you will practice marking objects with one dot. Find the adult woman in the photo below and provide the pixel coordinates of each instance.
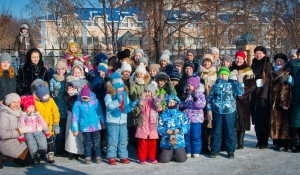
(243, 102)
(11, 150)
(260, 98)
(281, 97)
(31, 70)
(7, 76)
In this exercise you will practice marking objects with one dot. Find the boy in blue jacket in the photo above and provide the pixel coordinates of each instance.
(221, 106)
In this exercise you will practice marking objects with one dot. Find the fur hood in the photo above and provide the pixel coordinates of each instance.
(147, 79)
(112, 90)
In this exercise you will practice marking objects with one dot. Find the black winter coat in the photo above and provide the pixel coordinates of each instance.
(7, 85)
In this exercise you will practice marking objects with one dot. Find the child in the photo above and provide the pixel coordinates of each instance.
(221, 108)
(36, 139)
(165, 87)
(118, 105)
(146, 131)
(48, 109)
(57, 89)
(88, 118)
(164, 61)
(226, 61)
(172, 125)
(175, 79)
(153, 70)
(193, 102)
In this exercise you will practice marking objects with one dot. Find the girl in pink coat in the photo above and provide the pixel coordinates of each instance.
(36, 139)
(146, 131)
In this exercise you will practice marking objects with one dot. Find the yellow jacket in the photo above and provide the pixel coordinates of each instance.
(49, 111)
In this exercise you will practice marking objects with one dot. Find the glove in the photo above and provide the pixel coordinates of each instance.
(158, 101)
(194, 96)
(262, 102)
(56, 129)
(142, 99)
(134, 103)
(209, 115)
(284, 78)
(119, 97)
(184, 96)
(39, 127)
(240, 76)
(25, 129)
(47, 134)
(21, 139)
(56, 90)
(16, 53)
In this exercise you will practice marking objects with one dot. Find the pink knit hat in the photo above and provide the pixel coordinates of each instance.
(85, 92)
(194, 81)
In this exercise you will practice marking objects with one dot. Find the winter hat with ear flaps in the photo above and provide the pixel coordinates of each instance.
(116, 80)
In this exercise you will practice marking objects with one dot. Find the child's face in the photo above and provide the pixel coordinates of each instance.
(77, 72)
(140, 75)
(73, 49)
(171, 103)
(207, 64)
(152, 72)
(148, 94)
(102, 74)
(226, 63)
(46, 97)
(60, 71)
(179, 68)
(30, 109)
(189, 71)
(163, 63)
(137, 56)
(120, 89)
(161, 83)
(126, 74)
(190, 87)
(175, 82)
(24, 31)
(85, 99)
(223, 77)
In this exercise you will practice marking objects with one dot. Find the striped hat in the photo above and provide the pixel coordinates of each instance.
(102, 66)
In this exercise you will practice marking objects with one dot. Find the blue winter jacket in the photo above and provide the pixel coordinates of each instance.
(222, 97)
(172, 119)
(87, 116)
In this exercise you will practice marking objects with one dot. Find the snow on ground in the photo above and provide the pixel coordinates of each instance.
(247, 161)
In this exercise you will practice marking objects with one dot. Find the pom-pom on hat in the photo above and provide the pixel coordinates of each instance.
(152, 88)
(103, 66)
(85, 92)
(126, 67)
(175, 76)
(224, 70)
(194, 81)
(241, 54)
(116, 80)
(141, 68)
(8, 99)
(27, 101)
(260, 48)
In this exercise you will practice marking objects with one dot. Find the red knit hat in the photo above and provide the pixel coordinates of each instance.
(241, 54)
(27, 101)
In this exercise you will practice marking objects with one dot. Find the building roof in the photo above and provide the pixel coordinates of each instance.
(247, 38)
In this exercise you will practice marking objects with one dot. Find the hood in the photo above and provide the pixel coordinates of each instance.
(28, 58)
(173, 97)
(6, 109)
(36, 83)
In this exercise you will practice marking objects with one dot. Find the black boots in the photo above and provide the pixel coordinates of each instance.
(240, 139)
(4, 158)
(50, 150)
(35, 158)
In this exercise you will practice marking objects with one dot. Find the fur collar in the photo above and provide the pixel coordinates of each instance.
(6, 109)
(202, 69)
(71, 78)
(146, 80)
(59, 78)
(284, 70)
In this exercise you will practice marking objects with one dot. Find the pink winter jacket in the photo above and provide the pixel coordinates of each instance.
(150, 118)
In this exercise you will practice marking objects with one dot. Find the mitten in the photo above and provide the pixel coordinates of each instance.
(142, 99)
(119, 96)
(134, 103)
(184, 96)
(284, 78)
(39, 127)
(25, 129)
(56, 90)
(56, 129)
(21, 139)
(240, 76)
(194, 96)
(262, 102)
(158, 101)
(47, 134)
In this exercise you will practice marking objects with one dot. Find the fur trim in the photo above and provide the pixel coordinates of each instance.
(203, 69)
(112, 90)
(59, 78)
(71, 78)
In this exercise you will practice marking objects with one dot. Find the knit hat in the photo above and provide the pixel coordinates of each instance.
(224, 70)
(116, 80)
(41, 91)
(213, 49)
(123, 54)
(207, 57)
(154, 66)
(143, 60)
(85, 92)
(8, 99)
(77, 62)
(24, 26)
(103, 66)
(188, 63)
(165, 57)
(179, 62)
(161, 76)
(175, 75)
(61, 63)
(139, 51)
(282, 56)
(126, 66)
(193, 51)
(194, 81)
(78, 84)
(152, 88)
(27, 101)
(71, 44)
(241, 54)
(100, 57)
(260, 48)
(227, 58)
(166, 52)
(292, 51)
(5, 57)
(141, 69)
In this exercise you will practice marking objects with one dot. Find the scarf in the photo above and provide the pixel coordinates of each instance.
(26, 36)
(124, 106)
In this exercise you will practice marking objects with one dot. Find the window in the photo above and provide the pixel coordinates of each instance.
(92, 40)
(109, 40)
(179, 41)
(191, 41)
(124, 23)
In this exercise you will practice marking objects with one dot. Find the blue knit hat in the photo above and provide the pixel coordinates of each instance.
(116, 80)
(102, 66)
(175, 75)
(100, 57)
(41, 91)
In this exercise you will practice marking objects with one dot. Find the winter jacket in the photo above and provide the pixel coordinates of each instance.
(194, 110)
(59, 82)
(9, 143)
(168, 89)
(168, 69)
(87, 116)
(172, 119)
(7, 85)
(49, 111)
(112, 103)
(20, 44)
(27, 73)
(222, 97)
(148, 119)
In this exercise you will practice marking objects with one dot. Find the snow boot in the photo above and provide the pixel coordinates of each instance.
(4, 158)
(87, 160)
(35, 158)
(50, 150)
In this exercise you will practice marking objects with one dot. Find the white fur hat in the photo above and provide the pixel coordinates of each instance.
(141, 68)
